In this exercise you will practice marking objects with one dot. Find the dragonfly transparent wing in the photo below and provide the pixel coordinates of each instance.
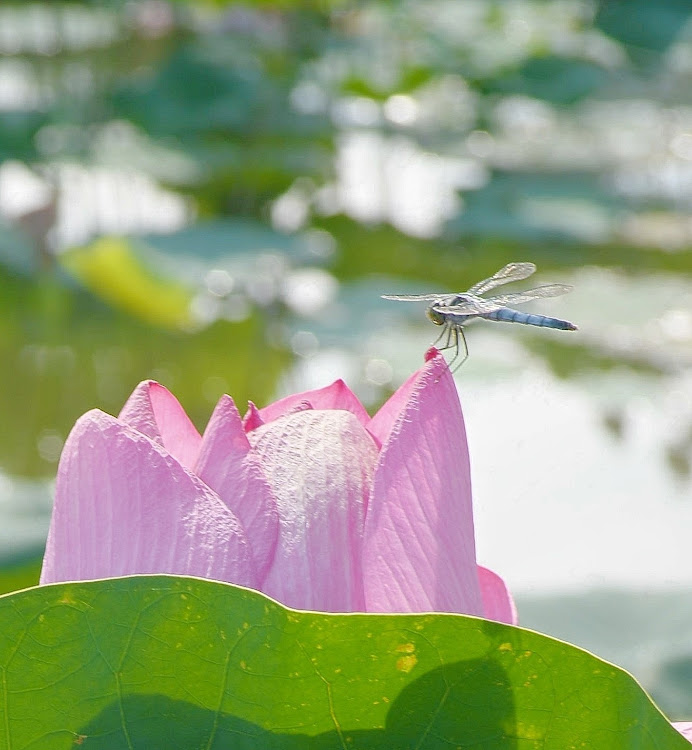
(474, 305)
(540, 292)
(511, 272)
(417, 297)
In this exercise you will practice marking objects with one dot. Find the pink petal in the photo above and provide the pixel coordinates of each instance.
(497, 601)
(123, 506)
(381, 425)
(226, 465)
(419, 549)
(252, 419)
(685, 729)
(319, 465)
(335, 396)
(154, 411)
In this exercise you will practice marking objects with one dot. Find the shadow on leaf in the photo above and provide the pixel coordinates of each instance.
(465, 704)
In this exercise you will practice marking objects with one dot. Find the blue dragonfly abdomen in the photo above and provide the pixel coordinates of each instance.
(508, 315)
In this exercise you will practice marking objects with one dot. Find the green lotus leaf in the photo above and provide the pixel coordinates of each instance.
(168, 662)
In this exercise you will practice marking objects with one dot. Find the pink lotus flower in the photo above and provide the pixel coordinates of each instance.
(685, 729)
(309, 500)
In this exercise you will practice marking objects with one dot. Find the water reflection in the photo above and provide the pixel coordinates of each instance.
(46, 29)
(25, 508)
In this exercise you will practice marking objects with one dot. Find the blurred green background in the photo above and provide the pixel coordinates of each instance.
(215, 195)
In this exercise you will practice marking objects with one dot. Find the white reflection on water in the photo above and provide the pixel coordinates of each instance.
(308, 291)
(46, 29)
(394, 180)
(559, 504)
(25, 508)
(96, 201)
(91, 201)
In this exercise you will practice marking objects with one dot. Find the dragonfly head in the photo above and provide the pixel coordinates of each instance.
(435, 316)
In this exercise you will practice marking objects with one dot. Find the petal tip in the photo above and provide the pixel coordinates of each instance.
(252, 419)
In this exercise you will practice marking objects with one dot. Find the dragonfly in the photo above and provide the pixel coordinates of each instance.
(454, 311)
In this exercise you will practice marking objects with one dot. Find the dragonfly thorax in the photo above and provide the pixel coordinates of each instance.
(435, 316)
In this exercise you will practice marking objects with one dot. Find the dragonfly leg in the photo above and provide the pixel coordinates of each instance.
(455, 340)
(445, 329)
(442, 333)
(460, 332)
(456, 330)
(450, 329)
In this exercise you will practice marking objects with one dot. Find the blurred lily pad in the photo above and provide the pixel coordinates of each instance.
(641, 24)
(112, 269)
(555, 79)
(212, 241)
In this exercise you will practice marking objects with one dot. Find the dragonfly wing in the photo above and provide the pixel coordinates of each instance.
(470, 305)
(511, 272)
(549, 290)
(417, 297)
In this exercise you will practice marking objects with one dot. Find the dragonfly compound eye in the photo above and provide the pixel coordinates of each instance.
(435, 316)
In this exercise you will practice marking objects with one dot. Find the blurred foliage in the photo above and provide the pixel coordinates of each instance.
(21, 572)
(451, 263)
(69, 352)
(179, 142)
